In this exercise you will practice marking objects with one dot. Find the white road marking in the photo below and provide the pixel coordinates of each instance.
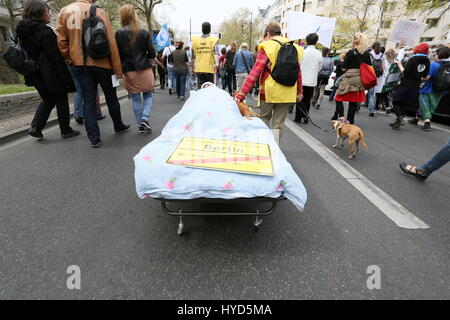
(391, 208)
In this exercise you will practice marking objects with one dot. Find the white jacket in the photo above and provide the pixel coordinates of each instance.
(311, 65)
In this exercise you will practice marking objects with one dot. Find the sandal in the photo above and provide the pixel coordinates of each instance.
(412, 171)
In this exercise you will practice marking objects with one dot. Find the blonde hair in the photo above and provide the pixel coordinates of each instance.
(128, 17)
(244, 45)
(360, 42)
(390, 55)
(233, 46)
(342, 56)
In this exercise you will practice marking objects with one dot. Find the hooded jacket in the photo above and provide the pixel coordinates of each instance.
(39, 41)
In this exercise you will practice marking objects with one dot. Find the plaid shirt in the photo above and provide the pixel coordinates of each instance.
(261, 70)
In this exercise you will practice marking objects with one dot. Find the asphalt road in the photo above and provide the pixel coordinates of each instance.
(64, 203)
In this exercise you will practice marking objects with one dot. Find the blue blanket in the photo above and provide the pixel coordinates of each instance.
(212, 113)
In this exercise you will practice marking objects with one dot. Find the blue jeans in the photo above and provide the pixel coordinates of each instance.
(372, 100)
(181, 83)
(142, 110)
(438, 161)
(78, 98)
(171, 80)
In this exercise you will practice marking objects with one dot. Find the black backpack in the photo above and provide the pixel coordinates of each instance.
(441, 82)
(285, 71)
(16, 57)
(378, 66)
(95, 41)
(230, 58)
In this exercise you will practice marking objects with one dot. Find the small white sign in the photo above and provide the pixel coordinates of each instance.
(300, 24)
(115, 81)
(407, 32)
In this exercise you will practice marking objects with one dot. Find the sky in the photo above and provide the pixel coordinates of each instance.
(177, 14)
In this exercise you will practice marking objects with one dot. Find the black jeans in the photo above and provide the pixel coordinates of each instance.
(91, 77)
(49, 100)
(231, 82)
(303, 107)
(162, 77)
(352, 107)
(202, 78)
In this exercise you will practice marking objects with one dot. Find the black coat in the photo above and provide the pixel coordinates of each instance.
(40, 42)
(136, 56)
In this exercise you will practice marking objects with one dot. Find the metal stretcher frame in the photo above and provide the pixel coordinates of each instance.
(256, 213)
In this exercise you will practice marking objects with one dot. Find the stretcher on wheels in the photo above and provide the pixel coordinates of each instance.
(208, 153)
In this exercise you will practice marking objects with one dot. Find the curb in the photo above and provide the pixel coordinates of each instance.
(22, 132)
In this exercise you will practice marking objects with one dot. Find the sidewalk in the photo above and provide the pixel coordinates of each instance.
(13, 127)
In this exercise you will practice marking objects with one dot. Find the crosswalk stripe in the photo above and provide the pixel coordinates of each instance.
(391, 208)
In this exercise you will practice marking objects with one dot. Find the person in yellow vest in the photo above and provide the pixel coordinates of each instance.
(204, 55)
(275, 99)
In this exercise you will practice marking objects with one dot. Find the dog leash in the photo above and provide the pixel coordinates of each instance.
(314, 124)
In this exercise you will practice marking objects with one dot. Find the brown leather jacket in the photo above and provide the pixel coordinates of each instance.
(69, 32)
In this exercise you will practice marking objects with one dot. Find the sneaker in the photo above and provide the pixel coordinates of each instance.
(414, 121)
(71, 134)
(123, 129)
(178, 97)
(372, 114)
(182, 98)
(97, 144)
(146, 126)
(79, 120)
(170, 91)
(35, 133)
(427, 126)
(141, 129)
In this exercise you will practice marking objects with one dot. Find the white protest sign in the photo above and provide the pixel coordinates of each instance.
(408, 32)
(300, 24)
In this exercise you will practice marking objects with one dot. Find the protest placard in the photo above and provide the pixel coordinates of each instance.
(300, 24)
(407, 32)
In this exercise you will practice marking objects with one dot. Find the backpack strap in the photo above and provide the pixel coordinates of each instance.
(245, 63)
(93, 11)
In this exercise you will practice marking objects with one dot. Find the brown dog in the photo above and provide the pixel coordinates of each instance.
(354, 134)
(245, 111)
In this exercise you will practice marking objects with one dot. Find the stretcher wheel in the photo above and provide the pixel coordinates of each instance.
(257, 223)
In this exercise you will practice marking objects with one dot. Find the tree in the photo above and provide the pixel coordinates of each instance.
(145, 9)
(241, 27)
(14, 8)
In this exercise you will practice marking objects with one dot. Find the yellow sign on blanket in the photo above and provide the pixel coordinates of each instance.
(223, 155)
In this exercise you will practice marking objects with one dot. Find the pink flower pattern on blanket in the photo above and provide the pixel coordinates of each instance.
(281, 185)
(188, 127)
(147, 159)
(170, 185)
(228, 185)
(228, 129)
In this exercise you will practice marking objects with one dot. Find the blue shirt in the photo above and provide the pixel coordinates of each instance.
(428, 85)
(239, 64)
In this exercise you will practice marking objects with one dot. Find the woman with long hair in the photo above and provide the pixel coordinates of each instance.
(136, 51)
(52, 80)
(351, 88)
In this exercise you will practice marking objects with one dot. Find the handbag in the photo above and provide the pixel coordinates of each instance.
(368, 75)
